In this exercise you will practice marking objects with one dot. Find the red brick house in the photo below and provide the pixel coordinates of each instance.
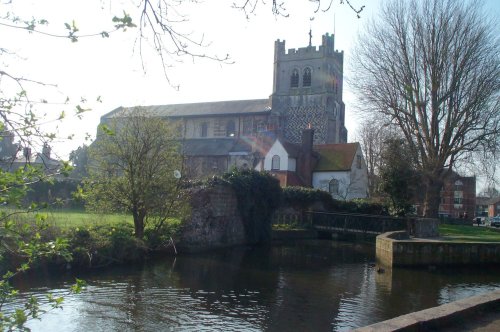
(458, 197)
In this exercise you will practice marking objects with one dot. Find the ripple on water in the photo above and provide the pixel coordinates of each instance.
(287, 290)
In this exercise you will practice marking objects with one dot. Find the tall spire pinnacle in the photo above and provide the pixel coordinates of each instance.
(310, 37)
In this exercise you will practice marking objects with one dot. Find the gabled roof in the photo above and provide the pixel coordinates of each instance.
(335, 157)
(217, 108)
(292, 149)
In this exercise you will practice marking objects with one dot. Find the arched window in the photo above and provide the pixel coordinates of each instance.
(230, 129)
(275, 164)
(333, 186)
(204, 130)
(294, 80)
(306, 79)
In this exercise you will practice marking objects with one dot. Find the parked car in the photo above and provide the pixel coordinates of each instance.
(495, 221)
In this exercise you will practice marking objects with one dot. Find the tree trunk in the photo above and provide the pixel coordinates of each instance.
(138, 223)
(432, 199)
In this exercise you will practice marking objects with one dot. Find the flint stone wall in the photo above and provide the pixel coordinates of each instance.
(214, 222)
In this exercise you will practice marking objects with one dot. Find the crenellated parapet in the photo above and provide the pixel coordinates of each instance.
(327, 48)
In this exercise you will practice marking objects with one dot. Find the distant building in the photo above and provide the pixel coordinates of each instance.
(458, 196)
(493, 207)
(27, 157)
(267, 134)
(482, 206)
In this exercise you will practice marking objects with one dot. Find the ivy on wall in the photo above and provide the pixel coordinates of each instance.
(258, 195)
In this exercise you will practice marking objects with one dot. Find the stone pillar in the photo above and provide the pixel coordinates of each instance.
(423, 227)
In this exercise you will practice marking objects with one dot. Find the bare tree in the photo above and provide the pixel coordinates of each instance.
(279, 6)
(432, 68)
(372, 135)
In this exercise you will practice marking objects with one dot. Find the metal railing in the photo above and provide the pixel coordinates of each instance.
(355, 223)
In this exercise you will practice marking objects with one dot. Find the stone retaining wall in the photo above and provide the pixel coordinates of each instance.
(214, 221)
(397, 249)
(441, 317)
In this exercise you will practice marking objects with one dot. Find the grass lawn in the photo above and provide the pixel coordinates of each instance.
(462, 233)
(74, 218)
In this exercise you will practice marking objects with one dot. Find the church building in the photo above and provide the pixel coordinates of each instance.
(307, 95)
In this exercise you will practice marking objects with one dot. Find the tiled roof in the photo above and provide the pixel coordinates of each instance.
(214, 146)
(292, 149)
(230, 107)
(335, 157)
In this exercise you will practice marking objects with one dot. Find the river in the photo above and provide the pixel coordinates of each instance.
(309, 285)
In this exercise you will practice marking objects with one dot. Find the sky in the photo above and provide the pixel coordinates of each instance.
(111, 68)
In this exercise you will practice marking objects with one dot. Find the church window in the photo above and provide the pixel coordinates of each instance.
(306, 79)
(230, 129)
(458, 185)
(358, 162)
(333, 186)
(294, 81)
(204, 130)
(275, 164)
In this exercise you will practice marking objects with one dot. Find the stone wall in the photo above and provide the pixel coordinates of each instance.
(396, 249)
(214, 221)
(454, 316)
(423, 227)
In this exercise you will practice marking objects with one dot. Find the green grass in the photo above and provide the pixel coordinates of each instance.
(461, 233)
(65, 219)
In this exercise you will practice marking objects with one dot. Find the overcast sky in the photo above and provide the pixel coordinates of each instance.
(111, 68)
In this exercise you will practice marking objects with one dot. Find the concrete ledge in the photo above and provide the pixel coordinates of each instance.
(437, 318)
(396, 249)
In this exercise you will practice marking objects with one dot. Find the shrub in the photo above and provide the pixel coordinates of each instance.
(104, 245)
(158, 238)
(303, 198)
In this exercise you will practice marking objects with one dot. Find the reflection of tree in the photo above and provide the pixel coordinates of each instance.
(345, 188)
(307, 285)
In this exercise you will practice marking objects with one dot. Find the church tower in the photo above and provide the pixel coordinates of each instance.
(307, 92)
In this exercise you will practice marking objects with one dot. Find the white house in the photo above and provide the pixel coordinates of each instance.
(282, 160)
(341, 170)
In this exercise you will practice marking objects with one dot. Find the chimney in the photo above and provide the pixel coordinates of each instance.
(306, 156)
(307, 139)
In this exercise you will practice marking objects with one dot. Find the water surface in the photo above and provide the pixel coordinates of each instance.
(314, 285)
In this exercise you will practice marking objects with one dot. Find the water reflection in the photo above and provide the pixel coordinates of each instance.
(302, 286)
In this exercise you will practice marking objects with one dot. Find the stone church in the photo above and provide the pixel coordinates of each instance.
(307, 94)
